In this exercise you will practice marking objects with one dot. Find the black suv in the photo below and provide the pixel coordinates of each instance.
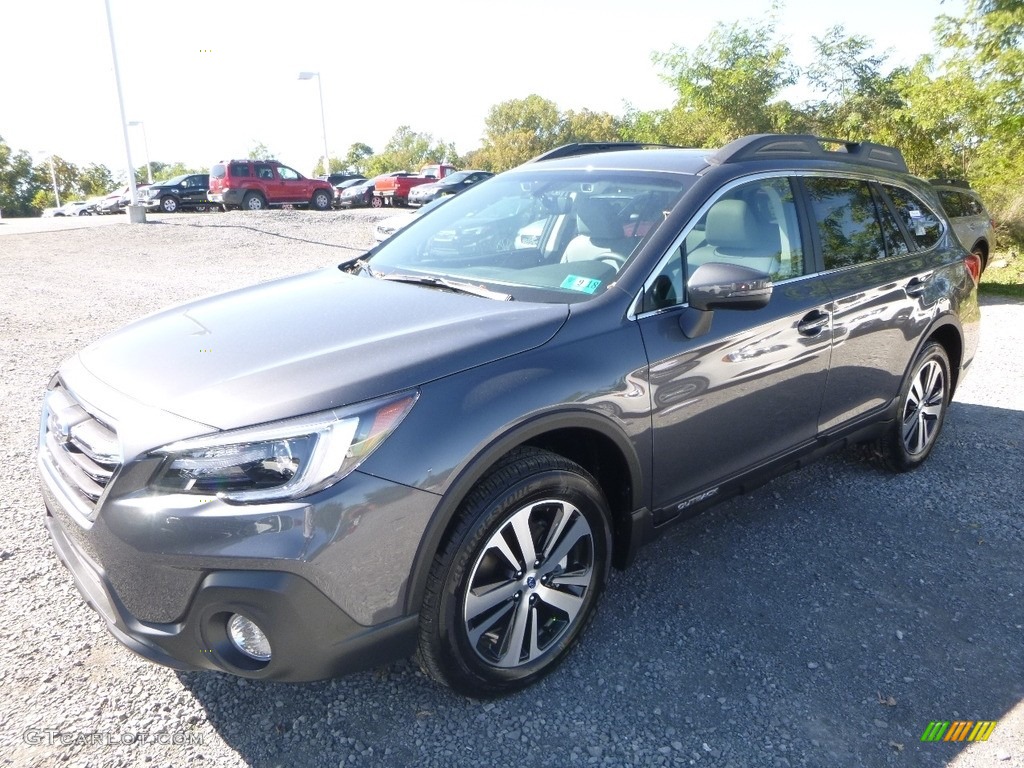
(443, 445)
(181, 193)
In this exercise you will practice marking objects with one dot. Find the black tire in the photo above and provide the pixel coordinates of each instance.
(84, 213)
(253, 201)
(168, 204)
(506, 637)
(199, 208)
(924, 399)
(321, 200)
(376, 202)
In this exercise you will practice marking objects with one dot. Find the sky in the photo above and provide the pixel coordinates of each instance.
(209, 80)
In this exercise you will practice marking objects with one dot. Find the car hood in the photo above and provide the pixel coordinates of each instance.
(307, 343)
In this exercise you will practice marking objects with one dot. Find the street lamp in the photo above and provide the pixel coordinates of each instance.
(136, 212)
(323, 122)
(53, 176)
(145, 145)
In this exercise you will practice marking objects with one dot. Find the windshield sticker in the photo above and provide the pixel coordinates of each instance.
(581, 284)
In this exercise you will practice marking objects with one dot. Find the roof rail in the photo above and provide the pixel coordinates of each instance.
(766, 146)
(962, 183)
(593, 147)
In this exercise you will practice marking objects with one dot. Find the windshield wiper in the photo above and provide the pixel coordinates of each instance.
(442, 282)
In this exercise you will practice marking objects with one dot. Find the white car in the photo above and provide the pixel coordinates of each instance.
(77, 208)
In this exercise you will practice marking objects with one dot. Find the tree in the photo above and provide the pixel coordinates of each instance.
(19, 183)
(260, 151)
(518, 130)
(730, 81)
(409, 150)
(357, 158)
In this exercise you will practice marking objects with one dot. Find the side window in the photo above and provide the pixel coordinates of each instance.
(844, 213)
(287, 173)
(264, 171)
(953, 202)
(239, 169)
(753, 225)
(920, 220)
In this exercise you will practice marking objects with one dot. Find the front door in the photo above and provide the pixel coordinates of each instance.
(750, 388)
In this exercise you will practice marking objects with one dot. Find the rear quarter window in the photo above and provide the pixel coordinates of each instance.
(921, 221)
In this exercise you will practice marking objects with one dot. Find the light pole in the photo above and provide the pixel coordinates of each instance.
(136, 212)
(323, 122)
(53, 177)
(145, 146)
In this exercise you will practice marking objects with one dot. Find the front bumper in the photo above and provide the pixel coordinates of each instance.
(311, 638)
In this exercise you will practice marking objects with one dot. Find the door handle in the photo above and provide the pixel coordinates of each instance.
(813, 323)
(918, 285)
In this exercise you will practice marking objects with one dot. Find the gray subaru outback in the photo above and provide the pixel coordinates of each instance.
(441, 448)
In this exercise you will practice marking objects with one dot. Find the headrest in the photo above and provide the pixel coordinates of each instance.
(731, 224)
(597, 217)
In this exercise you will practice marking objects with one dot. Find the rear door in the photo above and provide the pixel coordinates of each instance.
(877, 280)
(750, 388)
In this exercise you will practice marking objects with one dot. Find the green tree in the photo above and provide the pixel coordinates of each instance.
(260, 151)
(409, 150)
(517, 130)
(729, 81)
(19, 183)
(357, 158)
(95, 180)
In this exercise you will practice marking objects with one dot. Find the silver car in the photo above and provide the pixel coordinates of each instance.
(971, 222)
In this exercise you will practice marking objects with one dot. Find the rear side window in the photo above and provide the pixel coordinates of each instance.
(973, 206)
(847, 221)
(921, 221)
(239, 169)
(218, 171)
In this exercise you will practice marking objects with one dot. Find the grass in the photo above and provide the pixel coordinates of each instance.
(1004, 275)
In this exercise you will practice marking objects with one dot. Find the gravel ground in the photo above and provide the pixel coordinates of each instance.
(823, 620)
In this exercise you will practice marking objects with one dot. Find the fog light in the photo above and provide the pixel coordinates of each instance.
(248, 638)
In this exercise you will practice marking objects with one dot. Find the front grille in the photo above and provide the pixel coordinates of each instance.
(81, 452)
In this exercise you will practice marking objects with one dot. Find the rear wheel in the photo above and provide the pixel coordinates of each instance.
(377, 202)
(253, 201)
(519, 577)
(321, 200)
(168, 204)
(924, 399)
(200, 209)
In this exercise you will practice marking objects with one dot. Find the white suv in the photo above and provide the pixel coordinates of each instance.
(972, 225)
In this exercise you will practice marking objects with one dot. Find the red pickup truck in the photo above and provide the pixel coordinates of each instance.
(395, 190)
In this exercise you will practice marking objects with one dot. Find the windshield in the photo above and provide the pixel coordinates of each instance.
(556, 236)
(454, 178)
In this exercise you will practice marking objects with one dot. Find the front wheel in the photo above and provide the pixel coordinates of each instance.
(321, 200)
(519, 577)
(924, 399)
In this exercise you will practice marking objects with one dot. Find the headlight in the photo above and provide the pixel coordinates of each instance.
(282, 460)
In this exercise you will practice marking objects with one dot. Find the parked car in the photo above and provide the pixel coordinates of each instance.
(971, 222)
(258, 184)
(126, 196)
(449, 185)
(341, 187)
(182, 193)
(447, 453)
(335, 179)
(361, 195)
(75, 208)
(385, 228)
(394, 190)
(111, 203)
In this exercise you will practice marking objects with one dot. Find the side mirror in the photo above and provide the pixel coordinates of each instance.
(728, 286)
